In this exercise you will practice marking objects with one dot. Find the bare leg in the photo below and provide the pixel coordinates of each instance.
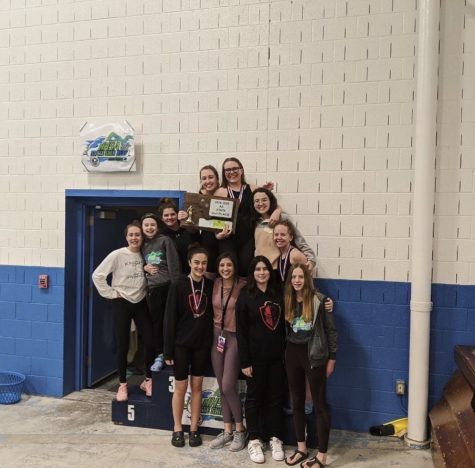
(178, 402)
(196, 388)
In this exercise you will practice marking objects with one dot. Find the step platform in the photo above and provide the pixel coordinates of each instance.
(156, 412)
(453, 417)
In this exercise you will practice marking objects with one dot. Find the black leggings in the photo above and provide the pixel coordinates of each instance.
(157, 300)
(298, 367)
(123, 312)
(264, 397)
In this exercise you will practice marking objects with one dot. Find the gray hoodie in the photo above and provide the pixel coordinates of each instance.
(161, 251)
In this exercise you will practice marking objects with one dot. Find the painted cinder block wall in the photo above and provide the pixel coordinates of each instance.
(316, 95)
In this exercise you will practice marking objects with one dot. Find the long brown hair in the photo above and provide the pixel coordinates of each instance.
(290, 297)
(211, 168)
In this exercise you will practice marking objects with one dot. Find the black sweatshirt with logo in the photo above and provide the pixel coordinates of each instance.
(183, 324)
(260, 328)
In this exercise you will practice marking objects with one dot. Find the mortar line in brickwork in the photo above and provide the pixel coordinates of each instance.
(268, 86)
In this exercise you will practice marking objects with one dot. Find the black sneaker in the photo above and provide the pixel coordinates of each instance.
(195, 439)
(178, 439)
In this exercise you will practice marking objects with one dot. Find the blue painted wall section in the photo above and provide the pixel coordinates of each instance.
(32, 327)
(372, 319)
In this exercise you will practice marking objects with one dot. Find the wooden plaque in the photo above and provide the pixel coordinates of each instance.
(210, 213)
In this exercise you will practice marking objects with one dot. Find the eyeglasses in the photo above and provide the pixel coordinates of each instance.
(229, 170)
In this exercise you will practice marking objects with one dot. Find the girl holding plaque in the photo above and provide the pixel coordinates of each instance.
(209, 183)
(234, 185)
(209, 180)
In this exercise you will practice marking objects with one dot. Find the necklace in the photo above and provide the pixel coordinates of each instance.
(193, 291)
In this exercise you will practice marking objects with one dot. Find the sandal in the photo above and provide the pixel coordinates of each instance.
(312, 461)
(301, 456)
(178, 439)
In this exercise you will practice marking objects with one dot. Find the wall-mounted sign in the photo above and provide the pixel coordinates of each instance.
(210, 213)
(108, 147)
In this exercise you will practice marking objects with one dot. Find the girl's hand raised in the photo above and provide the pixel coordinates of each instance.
(182, 215)
(310, 265)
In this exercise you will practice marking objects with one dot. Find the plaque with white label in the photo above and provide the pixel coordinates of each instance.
(209, 213)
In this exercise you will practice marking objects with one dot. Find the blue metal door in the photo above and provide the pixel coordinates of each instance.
(106, 234)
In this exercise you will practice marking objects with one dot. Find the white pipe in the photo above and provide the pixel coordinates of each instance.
(421, 268)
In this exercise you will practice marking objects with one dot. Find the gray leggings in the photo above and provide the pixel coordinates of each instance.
(226, 370)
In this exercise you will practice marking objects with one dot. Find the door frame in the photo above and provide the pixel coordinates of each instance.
(78, 203)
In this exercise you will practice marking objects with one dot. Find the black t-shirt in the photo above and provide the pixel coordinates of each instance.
(299, 331)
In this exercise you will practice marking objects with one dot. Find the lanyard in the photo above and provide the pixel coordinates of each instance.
(197, 304)
(231, 192)
(286, 259)
(224, 306)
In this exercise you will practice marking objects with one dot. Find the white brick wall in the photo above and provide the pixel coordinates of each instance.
(454, 245)
(316, 95)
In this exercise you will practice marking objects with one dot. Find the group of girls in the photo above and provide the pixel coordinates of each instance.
(251, 325)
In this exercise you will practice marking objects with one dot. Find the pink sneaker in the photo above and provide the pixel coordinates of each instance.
(122, 394)
(146, 386)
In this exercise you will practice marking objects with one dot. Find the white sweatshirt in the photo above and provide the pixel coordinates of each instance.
(128, 279)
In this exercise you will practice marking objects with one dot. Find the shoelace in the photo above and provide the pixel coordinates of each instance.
(276, 445)
(255, 447)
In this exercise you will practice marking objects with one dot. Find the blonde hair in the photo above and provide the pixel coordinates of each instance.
(290, 297)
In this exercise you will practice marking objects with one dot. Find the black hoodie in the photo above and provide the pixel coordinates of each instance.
(260, 328)
(182, 238)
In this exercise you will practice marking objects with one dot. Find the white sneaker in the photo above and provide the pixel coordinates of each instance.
(254, 447)
(277, 449)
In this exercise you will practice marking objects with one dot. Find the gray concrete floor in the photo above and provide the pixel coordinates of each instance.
(76, 431)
